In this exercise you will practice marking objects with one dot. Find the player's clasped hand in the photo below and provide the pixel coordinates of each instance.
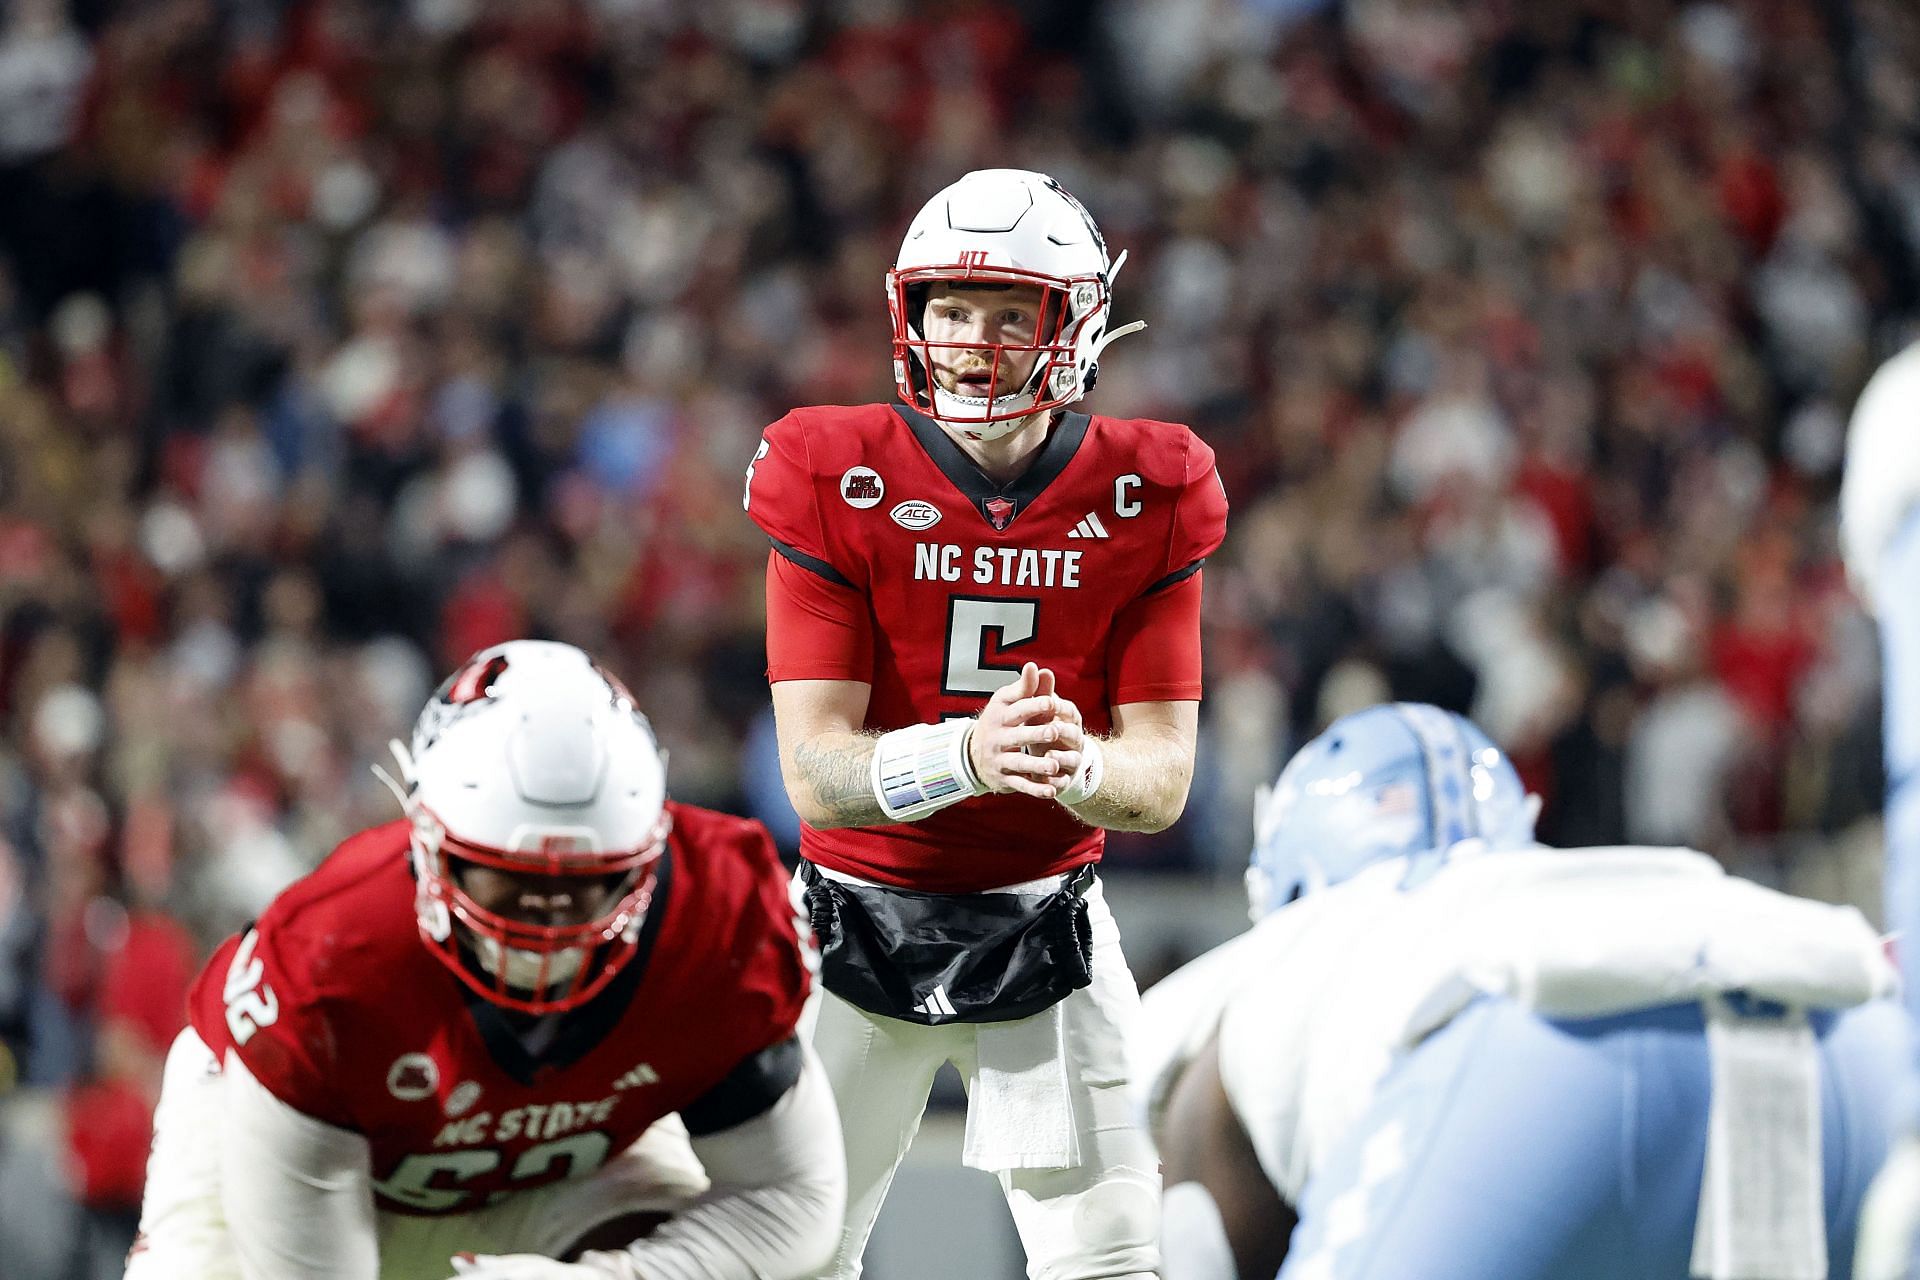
(1028, 737)
(1069, 738)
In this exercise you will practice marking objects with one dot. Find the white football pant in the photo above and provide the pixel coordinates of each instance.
(1098, 1221)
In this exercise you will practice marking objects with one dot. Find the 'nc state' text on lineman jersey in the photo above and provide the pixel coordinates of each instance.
(337, 1008)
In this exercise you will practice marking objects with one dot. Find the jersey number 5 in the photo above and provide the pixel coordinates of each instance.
(251, 1003)
(969, 620)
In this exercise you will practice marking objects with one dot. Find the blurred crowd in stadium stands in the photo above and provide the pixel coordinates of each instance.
(339, 338)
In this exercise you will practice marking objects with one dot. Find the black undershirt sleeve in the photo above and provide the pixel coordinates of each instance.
(760, 1080)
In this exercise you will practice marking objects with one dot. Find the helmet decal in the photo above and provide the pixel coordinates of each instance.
(474, 681)
(1093, 228)
(1448, 793)
(467, 690)
(619, 688)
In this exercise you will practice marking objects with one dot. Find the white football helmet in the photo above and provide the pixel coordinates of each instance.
(532, 759)
(1015, 227)
(1880, 487)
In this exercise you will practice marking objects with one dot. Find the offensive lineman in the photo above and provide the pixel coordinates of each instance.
(469, 1031)
(983, 638)
(1446, 1051)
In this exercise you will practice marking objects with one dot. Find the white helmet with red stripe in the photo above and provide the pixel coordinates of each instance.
(532, 759)
(1009, 227)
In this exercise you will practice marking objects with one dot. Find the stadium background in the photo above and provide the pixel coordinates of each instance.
(339, 338)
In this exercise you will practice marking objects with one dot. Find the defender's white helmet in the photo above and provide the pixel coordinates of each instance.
(532, 758)
(1014, 227)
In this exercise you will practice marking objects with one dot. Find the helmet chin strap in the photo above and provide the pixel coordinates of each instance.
(951, 410)
(523, 967)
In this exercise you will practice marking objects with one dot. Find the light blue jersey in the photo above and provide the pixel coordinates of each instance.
(1458, 1054)
(1512, 1146)
(1507, 1070)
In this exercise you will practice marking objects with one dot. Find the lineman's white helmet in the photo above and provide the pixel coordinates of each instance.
(1881, 486)
(532, 759)
(1015, 227)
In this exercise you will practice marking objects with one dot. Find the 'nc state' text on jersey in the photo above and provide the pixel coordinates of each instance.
(1002, 566)
(548, 1120)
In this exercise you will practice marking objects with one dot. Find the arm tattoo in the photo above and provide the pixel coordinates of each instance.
(838, 769)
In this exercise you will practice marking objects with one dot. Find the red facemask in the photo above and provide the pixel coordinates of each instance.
(530, 968)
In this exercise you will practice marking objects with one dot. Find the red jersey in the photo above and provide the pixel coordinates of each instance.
(901, 565)
(337, 1008)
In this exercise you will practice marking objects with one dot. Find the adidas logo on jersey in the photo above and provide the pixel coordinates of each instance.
(642, 1074)
(1089, 527)
(936, 1005)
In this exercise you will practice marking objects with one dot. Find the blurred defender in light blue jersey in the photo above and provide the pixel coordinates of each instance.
(1445, 1051)
(1880, 537)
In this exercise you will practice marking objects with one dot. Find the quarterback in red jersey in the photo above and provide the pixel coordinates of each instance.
(983, 634)
(547, 1009)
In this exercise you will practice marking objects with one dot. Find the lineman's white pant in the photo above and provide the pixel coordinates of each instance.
(184, 1228)
(1099, 1221)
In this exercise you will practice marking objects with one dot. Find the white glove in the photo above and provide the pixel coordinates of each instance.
(1890, 1218)
(1881, 483)
(521, 1266)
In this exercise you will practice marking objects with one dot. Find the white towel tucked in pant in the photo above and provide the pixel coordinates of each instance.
(1020, 1115)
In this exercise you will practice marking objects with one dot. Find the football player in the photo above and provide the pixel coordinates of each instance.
(1448, 1052)
(543, 1011)
(1880, 539)
(983, 633)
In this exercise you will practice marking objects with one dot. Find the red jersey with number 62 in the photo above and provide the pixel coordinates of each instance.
(336, 1006)
(943, 583)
